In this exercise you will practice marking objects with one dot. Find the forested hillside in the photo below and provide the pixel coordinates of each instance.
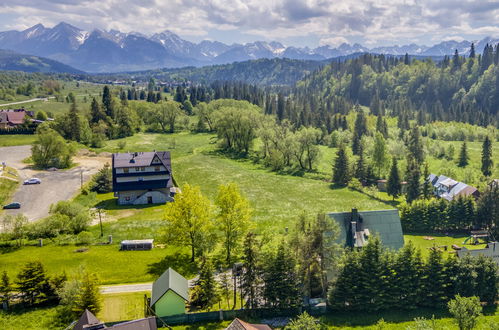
(459, 88)
(279, 71)
(13, 61)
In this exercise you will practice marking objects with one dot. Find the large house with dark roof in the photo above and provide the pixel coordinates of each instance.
(447, 188)
(143, 177)
(13, 118)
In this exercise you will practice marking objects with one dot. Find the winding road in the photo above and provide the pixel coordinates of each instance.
(28, 101)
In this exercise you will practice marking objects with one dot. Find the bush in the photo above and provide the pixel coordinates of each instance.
(465, 311)
(85, 238)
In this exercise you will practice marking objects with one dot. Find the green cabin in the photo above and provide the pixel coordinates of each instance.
(169, 294)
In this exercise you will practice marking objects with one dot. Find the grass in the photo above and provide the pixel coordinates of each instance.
(111, 265)
(439, 240)
(7, 188)
(32, 319)
(16, 140)
(122, 306)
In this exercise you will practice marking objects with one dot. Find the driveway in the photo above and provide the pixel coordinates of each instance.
(56, 186)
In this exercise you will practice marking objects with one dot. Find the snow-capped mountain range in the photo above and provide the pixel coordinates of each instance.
(114, 51)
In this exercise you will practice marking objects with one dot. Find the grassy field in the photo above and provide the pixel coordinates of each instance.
(7, 186)
(16, 140)
(32, 319)
(122, 306)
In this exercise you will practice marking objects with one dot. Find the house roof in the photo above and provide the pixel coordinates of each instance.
(14, 117)
(139, 159)
(88, 319)
(448, 182)
(238, 324)
(169, 280)
(141, 324)
(385, 223)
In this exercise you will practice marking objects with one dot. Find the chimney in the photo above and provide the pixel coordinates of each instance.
(355, 215)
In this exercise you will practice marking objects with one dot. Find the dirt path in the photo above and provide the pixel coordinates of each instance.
(28, 101)
(56, 186)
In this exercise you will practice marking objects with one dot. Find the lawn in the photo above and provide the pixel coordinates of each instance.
(16, 140)
(7, 188)
(122, 306)
(32, 319)
(111, 265)
(439, 240)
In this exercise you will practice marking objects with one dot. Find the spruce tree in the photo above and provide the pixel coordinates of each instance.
(381, 126)
(89, 296)
(413, 177)
(408, 269)
(74, 123)
(463, 156)
(360, 167)
(393, 185)
(5, 288)
(32, 282)
(379, 153)
(204, 294)
(249, 279)
(434, 280)
(487, 163)
(344, 293)
(281, 287)
(95, 112)
(472, 50)
(341, 173)
(107, 102)
(427, 187)
(360, 128)
(415, 145)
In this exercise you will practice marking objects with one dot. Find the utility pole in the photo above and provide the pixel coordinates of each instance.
(100, 221)
(81, 179)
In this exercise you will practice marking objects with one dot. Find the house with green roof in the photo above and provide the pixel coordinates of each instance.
(356, 228)
(170, 292)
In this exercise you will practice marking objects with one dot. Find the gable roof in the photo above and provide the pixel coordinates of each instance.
(13, 117)
(88, 319)
(169, 280)
(238, 324)
(141, 324)
(139, 159)
(385, 223)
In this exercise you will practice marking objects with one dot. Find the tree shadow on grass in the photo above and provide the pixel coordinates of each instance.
(111, 204)
(180, 262)
(8, 248)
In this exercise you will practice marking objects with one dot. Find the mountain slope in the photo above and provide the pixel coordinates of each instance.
(12, 61)
(115, 51)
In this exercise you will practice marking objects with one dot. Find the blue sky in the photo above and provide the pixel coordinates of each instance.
(292, 22)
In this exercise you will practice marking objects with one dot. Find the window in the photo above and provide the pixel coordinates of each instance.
(142, 169)
(137, 169)
(127, 198)
(125, 170)
(157, 168)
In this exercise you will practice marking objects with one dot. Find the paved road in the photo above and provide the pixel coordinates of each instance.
(28, 101)
(56, 186)
(122, 288)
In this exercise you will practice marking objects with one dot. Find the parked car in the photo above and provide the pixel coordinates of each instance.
(14, 205)
(33, 181)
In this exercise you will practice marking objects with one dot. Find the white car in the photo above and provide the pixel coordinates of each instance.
(33, 181)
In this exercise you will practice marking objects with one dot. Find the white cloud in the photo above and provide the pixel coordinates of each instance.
(333, 41)
(369, 21)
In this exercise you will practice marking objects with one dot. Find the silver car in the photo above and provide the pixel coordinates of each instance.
(33, 181)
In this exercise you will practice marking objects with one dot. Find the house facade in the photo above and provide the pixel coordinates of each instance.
(13, 118)
(169, 294)
(448, 188)
(142, 177)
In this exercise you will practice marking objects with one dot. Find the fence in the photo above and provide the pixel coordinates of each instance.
(240, 313)
(11, 131)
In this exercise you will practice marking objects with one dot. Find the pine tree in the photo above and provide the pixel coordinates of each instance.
(74, 123)
(281, 289)
(456, 61)
(487, 163)
(379, 153)
(415, 145)
(341, 173)
(393, 185)
(463, 156)
(89, 296)
(360, 167)
(32, 282)
(249, 279)
(95, 112)
(107, 102)
(413, 177)
(408, 269)
(381, 126)
(472, 50)
(427, 187)
(433, 280)
(344, 293)
(103, 180)
(5, 288)
(360, 129)
(204, 293)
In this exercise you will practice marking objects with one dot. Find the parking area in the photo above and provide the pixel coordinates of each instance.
(56, 185)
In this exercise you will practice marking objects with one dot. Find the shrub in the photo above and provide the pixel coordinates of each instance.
(465, 311)
(85, 238)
